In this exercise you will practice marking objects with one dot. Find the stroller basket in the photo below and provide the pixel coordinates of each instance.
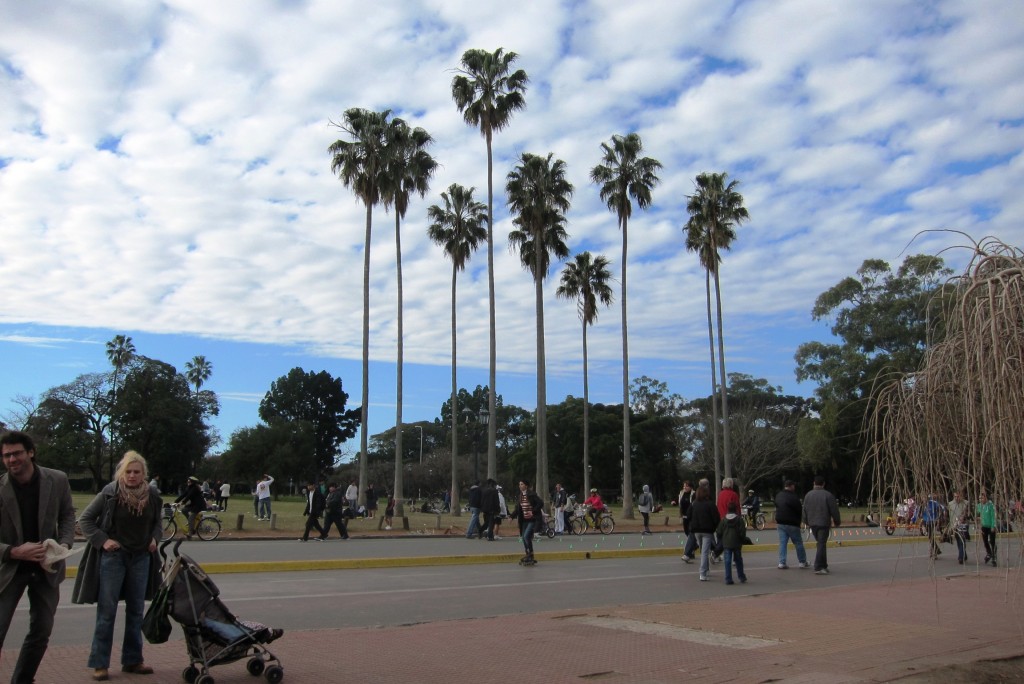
(213, 635)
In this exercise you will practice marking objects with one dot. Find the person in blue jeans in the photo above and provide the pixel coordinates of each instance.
(123, 524)
(788, 515)
(731, 531)
(704, 520)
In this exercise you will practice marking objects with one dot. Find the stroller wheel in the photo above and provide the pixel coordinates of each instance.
(255, 666)
(274, 674)
(205, 679)
(190, 674)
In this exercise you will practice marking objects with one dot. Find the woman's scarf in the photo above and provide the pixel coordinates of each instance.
(133, 498)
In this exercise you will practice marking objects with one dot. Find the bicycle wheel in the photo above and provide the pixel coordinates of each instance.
(579, 526)
(759, 522)
(208, 529)
(549, 529)
(170, 528)
(607, 524)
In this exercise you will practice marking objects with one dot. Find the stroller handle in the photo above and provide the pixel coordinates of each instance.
(163, 547)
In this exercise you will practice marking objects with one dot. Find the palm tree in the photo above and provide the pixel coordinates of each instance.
(362, 164)
(488, 92)
(409, 169)
(120, 352)
(623, 174)
(585, 279)
(715, 208)
(539, 196)
(459, 229)
(198, 371)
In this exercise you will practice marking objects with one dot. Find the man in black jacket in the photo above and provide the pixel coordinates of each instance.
(315, 503)
(333, 512)
(788, 515)
(490, 507)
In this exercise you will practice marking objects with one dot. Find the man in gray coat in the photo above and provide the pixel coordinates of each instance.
(820, 511)
(35, 505)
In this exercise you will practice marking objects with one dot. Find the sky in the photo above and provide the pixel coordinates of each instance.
(164, 174)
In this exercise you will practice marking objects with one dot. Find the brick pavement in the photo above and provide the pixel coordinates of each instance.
(866, 633)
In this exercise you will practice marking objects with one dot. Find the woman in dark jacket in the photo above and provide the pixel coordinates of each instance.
(529, 511)
(123, 525)
(704, 520)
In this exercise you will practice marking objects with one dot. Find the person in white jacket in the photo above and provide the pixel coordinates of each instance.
(263, 496)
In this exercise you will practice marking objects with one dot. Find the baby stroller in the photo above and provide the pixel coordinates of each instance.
(212, 634)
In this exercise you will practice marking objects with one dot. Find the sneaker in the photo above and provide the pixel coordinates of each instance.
(993, 562)
(703, 578)
(729, 582)
(318, 539)
(783, 566)
(804, 566)
(743, 580)
(301, 539)
(387, 527)
(687, 559)
(987, 559)
(823, 571)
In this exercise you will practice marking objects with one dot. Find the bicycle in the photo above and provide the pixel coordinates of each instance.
(207, 526)
(756, 521)
(581, 522)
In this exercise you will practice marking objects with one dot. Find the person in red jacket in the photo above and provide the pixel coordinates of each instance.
(729, 493)
(594, 506)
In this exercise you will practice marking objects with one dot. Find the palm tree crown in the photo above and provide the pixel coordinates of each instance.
(585, 279)
(198, 371)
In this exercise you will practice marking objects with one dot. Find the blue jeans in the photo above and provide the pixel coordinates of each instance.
(127, 572)
(789, 533)
(264, 508)
(526, 532)
(730, 556)
(474, 523)
(705, 540)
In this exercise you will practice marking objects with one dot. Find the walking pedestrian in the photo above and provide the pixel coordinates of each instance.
(473, 529)
(558, 503)
(314, 509)
(957, 528)
(986, 512)
(704, 521)
(225, 494)
(528, 511)
(820, 512)
(489, 507)
(334, 513)
(731, 531)
(645, 504)
(788, 516)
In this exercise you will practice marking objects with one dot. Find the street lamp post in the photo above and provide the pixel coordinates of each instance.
(420, 427)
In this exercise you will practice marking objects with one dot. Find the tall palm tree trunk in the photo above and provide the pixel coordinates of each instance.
(492, 422)
(398, 490)
(586, 414)
(542, 408)
(627, 474)
(726, 456)
(455, 508)
(363, 411)
(714, 385)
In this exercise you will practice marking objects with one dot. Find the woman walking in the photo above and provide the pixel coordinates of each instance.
(123, 526)
(704, 521)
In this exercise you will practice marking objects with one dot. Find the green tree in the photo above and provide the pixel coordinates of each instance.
(88, 396)
(625, 176)
(280, 447)
(539, 195)
(585, 279)
(362, 164)
(715, 208)
(120, 353)
(319, 400)
(66, 438)
(488, 92)
(458, 228)
(159, 417)
(881, 320)
(408, 171)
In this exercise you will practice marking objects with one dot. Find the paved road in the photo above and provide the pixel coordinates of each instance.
(392, 595)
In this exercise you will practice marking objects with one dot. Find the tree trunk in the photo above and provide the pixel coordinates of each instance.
(541, 483)
(492, 392)
(726, 456)
(714, 387)
(398, 490)
(455, 508)
(627, 470)
(586, 416)
(363, 410)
